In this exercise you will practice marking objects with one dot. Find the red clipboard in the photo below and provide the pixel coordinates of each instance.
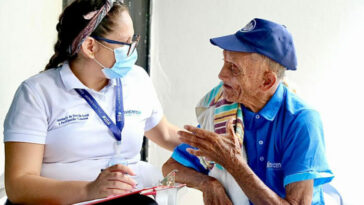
(151, 191)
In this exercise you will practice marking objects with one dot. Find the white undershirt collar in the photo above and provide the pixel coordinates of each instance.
(70, 81)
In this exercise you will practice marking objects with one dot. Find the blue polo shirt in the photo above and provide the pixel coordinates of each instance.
(284, 143)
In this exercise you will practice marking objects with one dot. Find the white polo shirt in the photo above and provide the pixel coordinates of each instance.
(47, 110)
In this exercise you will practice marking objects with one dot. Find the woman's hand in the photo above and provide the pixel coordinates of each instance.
(111, 181)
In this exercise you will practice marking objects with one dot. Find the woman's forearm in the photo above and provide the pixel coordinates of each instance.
(164, 134)
(32, 189)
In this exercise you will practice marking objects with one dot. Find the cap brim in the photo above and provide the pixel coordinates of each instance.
(231, 43)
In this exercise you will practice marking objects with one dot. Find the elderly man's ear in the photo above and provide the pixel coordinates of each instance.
(269, 80)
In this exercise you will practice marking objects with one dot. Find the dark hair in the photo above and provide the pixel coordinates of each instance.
(71, 23)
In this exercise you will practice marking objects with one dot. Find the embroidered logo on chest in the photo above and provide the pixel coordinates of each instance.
(274, 165)
(71, 118)
(132, 112)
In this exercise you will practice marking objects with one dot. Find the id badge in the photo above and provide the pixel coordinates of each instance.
(118, 157)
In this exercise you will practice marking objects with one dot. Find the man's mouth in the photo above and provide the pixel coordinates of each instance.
(226, 86)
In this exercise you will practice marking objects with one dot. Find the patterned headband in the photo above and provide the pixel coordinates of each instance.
(95, 18)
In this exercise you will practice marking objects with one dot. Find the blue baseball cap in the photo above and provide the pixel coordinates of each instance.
(264, 37)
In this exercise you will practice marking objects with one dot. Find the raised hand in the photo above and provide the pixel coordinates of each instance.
(222, 149)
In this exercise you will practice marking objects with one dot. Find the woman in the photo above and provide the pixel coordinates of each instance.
(88, 111)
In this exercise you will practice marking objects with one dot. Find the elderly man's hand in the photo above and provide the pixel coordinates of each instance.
(222, 149)
(214, 193)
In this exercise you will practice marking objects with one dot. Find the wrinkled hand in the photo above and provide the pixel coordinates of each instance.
(222, 149)
(214, 194)
(111, 181)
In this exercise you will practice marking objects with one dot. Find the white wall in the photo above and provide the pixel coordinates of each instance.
(329, 39)
(27, 36)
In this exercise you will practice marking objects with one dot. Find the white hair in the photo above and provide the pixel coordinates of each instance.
(277, 68)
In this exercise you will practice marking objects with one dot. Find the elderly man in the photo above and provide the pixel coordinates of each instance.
(259, 142)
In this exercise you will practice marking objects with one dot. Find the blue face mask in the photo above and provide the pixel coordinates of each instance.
(123, 63)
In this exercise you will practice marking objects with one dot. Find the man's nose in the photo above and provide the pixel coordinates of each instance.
(223, 73)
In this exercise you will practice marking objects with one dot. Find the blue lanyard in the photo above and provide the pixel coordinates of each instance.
(119, 110)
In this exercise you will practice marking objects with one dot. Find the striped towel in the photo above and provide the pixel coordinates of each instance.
(213, 112)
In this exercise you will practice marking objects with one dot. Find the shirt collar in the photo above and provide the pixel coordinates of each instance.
(271, 109)
(70, 81)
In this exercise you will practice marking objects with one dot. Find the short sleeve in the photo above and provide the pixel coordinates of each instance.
(304, 151)
(157, 111)
(186, 159)
(26, 120)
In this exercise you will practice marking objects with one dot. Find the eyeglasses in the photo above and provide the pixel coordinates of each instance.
(132, 45)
